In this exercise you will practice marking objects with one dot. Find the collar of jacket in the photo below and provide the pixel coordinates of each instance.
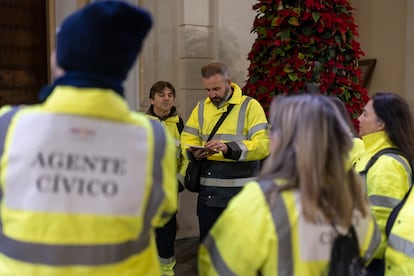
(236, 97)
(93, 102)
(376, 141)
(82, 79)
(173, 112)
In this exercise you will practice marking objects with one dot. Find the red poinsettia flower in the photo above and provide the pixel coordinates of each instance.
(291, 36)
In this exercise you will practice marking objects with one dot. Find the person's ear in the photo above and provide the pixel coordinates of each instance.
(380, 125)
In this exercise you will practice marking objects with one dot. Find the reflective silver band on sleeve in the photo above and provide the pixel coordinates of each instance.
(373, 245)
(402, 245)
(191, 130)
(384, 201)
(257, 128)
(102, 254)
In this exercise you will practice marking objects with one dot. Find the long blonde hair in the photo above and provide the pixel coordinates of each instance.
(312, 144)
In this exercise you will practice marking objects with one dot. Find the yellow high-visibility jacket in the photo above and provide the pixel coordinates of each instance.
(244, 131)
(172, 123)
(387, 181)
(399, 256)
(84, 181)
(251, 238)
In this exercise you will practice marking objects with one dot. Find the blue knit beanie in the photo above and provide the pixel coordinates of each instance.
(104, 38)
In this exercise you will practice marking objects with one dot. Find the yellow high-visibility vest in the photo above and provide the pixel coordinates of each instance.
(251, 237)
(84, 181)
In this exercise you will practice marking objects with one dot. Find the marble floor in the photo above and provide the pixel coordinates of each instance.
(186, 254)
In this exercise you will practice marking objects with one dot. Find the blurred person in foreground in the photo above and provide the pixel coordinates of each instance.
(307, 193)
(85, 180)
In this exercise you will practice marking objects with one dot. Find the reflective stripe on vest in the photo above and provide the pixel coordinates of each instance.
(5, 120)
(216, 259)
(281, 221)
(373, 245)
(218, 182)
(229, 136)
(402, 245)
(102, 254)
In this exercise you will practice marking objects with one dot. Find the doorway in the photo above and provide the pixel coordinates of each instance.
(23, 51)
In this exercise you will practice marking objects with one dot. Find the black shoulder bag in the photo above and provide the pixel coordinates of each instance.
(193, 172)
(345, 257)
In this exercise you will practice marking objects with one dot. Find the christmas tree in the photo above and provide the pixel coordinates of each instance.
(303, 46)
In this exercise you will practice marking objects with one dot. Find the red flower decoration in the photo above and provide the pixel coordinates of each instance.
(291, 36)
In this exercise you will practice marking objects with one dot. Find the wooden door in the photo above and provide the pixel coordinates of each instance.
(23, 50)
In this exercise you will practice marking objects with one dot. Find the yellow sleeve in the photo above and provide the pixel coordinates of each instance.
(387, 183)
(259, 142)
(369, 246)
(357, 150)
(4, 109)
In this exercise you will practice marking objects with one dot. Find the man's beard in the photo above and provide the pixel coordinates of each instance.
(219, 101)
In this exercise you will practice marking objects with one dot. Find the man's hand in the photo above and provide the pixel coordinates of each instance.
(199, 153)
(211, 147)
(215, 146)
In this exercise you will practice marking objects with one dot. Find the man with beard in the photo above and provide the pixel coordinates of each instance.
(162, 96)
(234, 152)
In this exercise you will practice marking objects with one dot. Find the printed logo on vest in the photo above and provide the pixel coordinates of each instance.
(52, 172)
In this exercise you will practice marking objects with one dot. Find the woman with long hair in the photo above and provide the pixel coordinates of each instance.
(386, 122)
(285, 222)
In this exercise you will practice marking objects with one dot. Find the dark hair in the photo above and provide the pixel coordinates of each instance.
(215, 68)
(394, 111)
(344, 112)
(159, 87)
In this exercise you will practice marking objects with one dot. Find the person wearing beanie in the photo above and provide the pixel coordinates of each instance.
(76, 197)
(162, 96)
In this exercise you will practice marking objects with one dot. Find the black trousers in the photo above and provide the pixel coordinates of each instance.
(165, 237)
(376, 268)
(207, 216)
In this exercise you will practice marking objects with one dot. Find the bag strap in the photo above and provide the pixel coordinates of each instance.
(220, 121)
(180, 125)
(394, 213)
(377, 155)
